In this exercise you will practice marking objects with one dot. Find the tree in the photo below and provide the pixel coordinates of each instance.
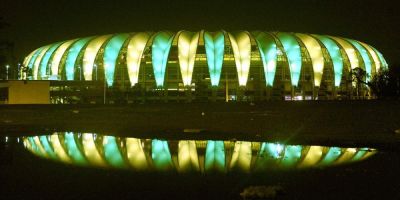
(358, 76)
(386, 83)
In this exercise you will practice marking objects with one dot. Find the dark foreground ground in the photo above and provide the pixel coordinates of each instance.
(24, 176)
(365, 123)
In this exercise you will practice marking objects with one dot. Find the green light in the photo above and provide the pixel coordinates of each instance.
(219, 156)
(365, 57)
(293, 53)
(111, 52)
(383, 61)
(332, 155)
(49, 150)
(45, 60)
(72, 54)
(292, 155)
(215, 156)
(266, 45)
(112, 153)
(161, 155)
(34, 57)
(73, 151)
(359, 155)
(160, 50)
(336, 57)
(35, 148)
(214, 44)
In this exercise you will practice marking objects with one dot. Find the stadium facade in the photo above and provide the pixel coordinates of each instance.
(206, 66)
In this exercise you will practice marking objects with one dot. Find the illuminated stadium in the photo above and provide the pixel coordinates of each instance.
(205, 66)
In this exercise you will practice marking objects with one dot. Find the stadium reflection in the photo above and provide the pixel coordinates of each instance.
(199, 156)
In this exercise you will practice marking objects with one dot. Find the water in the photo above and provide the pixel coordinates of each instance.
(87, 165)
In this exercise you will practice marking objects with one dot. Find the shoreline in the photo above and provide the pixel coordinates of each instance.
(359, 123)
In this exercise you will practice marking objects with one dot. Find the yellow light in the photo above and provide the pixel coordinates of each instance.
(351, 54)
(134, 54)
(91, 151)
(187, 156)
(90, 55)
(37, 62)
(135, 154)
(373, 55)
(58, 55)
(187, 46)
(241, 46)
(314, 49)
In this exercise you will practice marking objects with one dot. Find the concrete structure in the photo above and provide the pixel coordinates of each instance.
(27, 92)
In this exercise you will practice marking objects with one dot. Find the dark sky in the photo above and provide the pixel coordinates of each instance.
(34, 23)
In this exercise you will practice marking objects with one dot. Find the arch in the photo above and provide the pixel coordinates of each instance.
(36, 64)
(58, 54)
(312, 157)
(47, 147)
(214, 44)
(111, 52)
(268, 50)
(373, 55)
(187, 156)
(45, 60)
(135, 154)
(161, 155)
(335, 55)
(160, 51)
(112, 153)
(331, 155)
(215, 156)
(317, 58)
(346, 155)
(350, 51)
(90, 150)
(241, 47)
(187, 46)
(73, 150)
(364, 56)
(241, 157)
(34, 56)
(90, 55)
(293, 53)
(72, 55)
(59, 149)
(292, 155)
(134, 54)
(384, 64)
(28, 58)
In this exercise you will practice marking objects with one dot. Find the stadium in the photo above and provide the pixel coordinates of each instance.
(203, 66)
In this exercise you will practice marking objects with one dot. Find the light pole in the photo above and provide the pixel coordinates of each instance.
(7, 67)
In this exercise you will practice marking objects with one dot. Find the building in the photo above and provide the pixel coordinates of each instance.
(206, 66)
(24, 92)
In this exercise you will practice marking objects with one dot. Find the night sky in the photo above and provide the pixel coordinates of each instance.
(34, 23)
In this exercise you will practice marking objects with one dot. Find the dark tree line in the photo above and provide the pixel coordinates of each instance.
(384, 85)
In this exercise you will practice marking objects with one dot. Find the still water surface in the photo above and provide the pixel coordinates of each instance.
(66, 165)
(200, 156)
